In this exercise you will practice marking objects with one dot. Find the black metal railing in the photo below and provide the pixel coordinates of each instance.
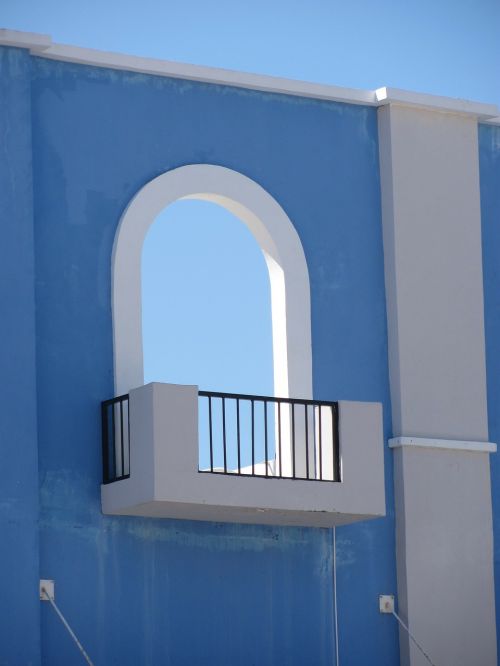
(115, 439)
(245, 435)
(283, 438)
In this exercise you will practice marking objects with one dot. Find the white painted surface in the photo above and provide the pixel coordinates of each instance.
(386, 603)
(433, 268)
(42, 45)
(444, 546)
(273, 231)
(396, 96)
(165, 482)
(434, 289)
(47, 589)
(453, 444)
(36, 42)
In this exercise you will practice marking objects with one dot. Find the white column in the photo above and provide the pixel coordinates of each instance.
(433, 271)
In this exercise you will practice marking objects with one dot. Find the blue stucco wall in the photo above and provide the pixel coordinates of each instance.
(143, 591)
(19, 625)
(489, 164)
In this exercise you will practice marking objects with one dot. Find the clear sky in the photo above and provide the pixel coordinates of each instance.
(449, 47)
(206, 303)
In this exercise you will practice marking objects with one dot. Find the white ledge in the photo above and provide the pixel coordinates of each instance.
(204, 74)
(42, 45)
(453, 444)
(492, 121)
(435, 103)
(33, 41)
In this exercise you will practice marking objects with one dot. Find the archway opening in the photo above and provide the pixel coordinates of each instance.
(206, 320)
(286, 265)
(274, 233)
(206, 302)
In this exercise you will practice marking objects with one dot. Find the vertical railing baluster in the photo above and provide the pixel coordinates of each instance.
(238, 433)
(253, 438)
(307, 440)
(293, 440)
(210, 435)
(335, 434)
(265, 437)
(320, 447)
(224, 433)
(113, 447)
(334, 444)
(279, 436)
(122, 444)
(105, 443)
(128, 436)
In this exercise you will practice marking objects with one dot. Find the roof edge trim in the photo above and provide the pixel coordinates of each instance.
(400, 97)
(42, 45)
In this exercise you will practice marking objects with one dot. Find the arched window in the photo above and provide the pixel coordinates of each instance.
(278, 240)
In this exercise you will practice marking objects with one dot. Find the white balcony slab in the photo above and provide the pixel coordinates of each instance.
(165, 481)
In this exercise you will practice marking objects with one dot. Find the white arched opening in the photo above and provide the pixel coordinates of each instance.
(274, 232)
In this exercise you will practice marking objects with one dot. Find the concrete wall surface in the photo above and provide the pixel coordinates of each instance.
(158, 591)
(432, 245)
(390, 201)
(20, 623)
(445, 547)
(489, 162)
(433, 263)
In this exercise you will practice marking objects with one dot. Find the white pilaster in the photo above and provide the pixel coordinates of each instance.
(433, 269)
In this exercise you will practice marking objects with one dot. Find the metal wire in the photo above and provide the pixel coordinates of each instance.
(335, 609)
(69, 629)
(413, 638)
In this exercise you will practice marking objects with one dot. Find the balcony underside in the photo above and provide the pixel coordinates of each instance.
(247, 515)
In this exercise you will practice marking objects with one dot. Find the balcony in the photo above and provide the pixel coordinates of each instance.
(174, 451)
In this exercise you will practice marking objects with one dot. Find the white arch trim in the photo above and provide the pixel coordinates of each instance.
(274, 232)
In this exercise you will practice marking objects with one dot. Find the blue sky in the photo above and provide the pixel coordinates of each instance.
(449, 47)
(206, 301)
(438, 46)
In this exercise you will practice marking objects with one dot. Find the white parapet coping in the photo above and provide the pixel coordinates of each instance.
(466, 107)
(42, 45)
(35, 42)
(451, 444)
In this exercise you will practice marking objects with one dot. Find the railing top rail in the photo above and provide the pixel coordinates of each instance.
(267, 398)
(240, 396)
(113, 401)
